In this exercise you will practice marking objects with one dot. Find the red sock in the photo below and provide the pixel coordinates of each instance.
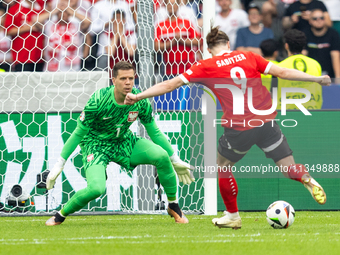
(228, 190)
(295, 172)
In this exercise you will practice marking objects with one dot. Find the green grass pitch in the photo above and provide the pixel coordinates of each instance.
(311, 233)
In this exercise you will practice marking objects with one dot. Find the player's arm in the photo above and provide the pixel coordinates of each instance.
(158, 137)
(182, 168)
(69, 147)
(87, 117)
(293, 74)
(75, 138)
(156, 90)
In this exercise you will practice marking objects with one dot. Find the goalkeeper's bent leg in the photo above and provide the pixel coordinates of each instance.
(96, 185)
(146, 152)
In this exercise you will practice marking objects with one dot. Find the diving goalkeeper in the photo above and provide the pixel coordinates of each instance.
(104, 136)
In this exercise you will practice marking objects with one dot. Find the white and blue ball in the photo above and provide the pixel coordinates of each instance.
(280, 214)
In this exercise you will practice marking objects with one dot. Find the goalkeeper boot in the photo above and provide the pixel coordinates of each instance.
(228, 221)
(57, 219)
(176, 212)
(314, 188)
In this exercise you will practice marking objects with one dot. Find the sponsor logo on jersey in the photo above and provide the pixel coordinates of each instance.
(82, 116)
(132, 116)
(90, 157)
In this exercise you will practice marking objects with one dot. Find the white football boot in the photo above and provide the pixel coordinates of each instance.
(226, 221)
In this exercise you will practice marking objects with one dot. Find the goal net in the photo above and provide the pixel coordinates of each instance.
(53, 56)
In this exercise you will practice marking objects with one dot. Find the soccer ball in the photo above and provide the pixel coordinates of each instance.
(280, 214)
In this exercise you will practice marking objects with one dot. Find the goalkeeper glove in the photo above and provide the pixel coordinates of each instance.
(183, 170)
(54, 173)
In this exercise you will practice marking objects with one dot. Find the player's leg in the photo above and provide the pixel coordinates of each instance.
(96, 185)
(233, 146)
(275, 146)
(298, 172)
(229, 190)
(227, 183)
(146, 152)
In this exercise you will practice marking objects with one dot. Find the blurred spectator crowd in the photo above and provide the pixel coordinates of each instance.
(84, 35)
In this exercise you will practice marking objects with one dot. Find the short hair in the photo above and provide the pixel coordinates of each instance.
(268, 47)
(296, 40)
(216, 37)
(122, 65)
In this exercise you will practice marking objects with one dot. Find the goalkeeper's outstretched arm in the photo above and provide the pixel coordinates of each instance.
(158, 137)
(69, 147)
(183, 169)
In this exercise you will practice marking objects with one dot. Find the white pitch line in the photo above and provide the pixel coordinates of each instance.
(163, 238)
(164, 241)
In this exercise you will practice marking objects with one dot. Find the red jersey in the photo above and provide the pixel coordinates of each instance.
(181, 57)
(27, 47)
(241, 69)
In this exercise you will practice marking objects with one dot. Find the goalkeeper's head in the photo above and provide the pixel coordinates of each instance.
(123, 78)
(122, 65)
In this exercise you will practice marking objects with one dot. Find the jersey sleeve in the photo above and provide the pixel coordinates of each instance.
(72, 143)
(89, 114)
(158, 137)
(195, 71)
(262, 65)
(145, 114)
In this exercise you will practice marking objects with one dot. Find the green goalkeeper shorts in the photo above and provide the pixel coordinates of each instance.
(101, 152)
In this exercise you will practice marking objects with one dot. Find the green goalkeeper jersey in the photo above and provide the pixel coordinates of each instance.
(108, 120)
(105, 122)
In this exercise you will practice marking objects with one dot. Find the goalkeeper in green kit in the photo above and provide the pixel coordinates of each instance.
(104, 136)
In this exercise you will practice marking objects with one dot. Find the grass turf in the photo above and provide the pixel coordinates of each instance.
(311, 233)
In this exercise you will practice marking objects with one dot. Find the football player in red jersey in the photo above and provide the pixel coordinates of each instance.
(239, 131)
